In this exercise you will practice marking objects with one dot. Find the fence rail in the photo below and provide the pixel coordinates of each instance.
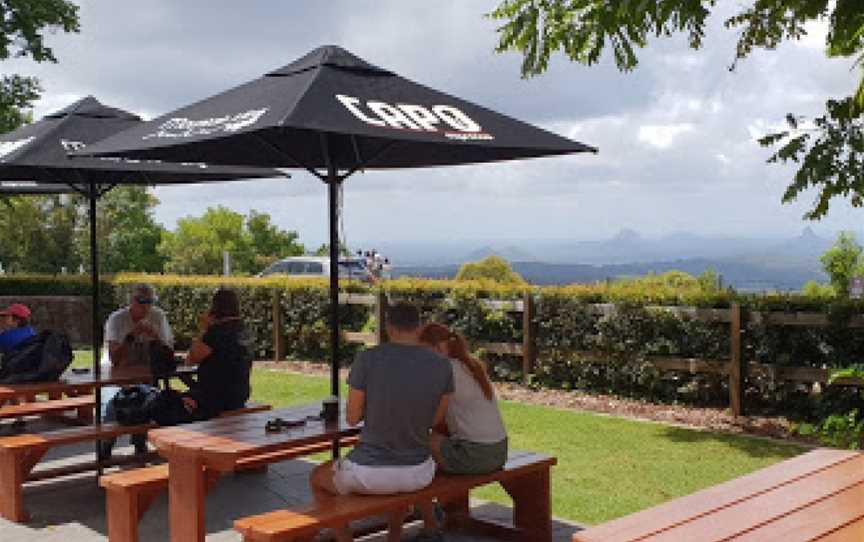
(735, 368)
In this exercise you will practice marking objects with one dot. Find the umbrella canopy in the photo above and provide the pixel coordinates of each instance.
(38, 152)
(375, 119)
(333, 110)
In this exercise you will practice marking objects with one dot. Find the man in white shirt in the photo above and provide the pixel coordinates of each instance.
(130, 330)
(129, 333)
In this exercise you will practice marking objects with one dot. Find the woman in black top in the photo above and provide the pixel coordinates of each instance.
(224, 358)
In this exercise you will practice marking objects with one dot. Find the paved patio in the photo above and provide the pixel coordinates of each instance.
(73, 509)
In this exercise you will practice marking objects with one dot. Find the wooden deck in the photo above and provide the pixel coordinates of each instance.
(815, 496)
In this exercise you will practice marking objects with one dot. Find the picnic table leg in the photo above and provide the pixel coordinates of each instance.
(14, 469)
(123, 515)
(532, 510)
(186, 497)
(11, 480)
(457, 512)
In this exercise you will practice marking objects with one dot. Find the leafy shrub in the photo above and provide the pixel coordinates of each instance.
(598, 337)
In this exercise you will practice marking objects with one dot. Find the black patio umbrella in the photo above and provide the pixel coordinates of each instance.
(333, 111)
(33, 160)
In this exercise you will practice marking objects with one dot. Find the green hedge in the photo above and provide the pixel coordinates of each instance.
(630, 334)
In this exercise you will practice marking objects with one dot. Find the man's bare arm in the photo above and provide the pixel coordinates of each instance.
(117, 352)
(356, 406)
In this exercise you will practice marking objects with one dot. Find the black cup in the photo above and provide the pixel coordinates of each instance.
(330, 410)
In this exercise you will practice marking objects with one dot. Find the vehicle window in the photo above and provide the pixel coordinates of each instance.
(314, 268)
(276, 267)
(294, 268)
(351, 265)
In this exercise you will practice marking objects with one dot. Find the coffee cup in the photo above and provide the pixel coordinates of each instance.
(330, 409)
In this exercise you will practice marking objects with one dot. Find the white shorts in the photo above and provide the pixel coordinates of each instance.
(349, 477)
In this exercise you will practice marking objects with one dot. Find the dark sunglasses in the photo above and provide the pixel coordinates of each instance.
(143, 300)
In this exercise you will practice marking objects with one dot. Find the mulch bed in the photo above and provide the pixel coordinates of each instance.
(701, 418)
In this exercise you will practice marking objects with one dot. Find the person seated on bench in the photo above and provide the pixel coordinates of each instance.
(474, 440)
(224, 356)
(399, 389)
(129, 332)
(15, 327)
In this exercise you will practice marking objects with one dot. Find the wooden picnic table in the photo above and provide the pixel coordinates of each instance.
(72, 383)
(220, 446)
(818, 495)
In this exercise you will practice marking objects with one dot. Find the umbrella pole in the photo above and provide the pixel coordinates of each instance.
(333, 214)
(94, 290)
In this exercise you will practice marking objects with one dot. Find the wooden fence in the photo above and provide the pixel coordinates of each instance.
(736, 368)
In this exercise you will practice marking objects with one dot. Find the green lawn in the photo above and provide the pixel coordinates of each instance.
(607, 467)
(83, 358)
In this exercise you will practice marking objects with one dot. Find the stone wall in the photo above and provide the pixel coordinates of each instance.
(70, 314)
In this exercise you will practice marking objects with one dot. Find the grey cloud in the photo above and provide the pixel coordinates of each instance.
(158, 55)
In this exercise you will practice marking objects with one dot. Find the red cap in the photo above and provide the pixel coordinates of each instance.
(17, 309)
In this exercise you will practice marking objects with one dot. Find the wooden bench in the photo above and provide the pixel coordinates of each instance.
(525, 477)
(19, 454)
(815, 496)
(50, 406)
(129, 494)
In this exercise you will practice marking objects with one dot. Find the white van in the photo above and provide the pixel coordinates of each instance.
(319, 266)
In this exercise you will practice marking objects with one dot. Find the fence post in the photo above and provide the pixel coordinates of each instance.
(737, 371)
(381, 318)
(529, 344)
(278, 339)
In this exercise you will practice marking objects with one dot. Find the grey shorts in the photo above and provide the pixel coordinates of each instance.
(466, 457)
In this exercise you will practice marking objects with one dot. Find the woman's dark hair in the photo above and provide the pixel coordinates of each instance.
(225, 304)
(20, 322)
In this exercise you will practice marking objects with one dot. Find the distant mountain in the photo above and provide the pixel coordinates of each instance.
(509, 253)
(742, 276)
(746, 263)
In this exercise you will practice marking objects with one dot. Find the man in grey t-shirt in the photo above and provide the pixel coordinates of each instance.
(399, 390)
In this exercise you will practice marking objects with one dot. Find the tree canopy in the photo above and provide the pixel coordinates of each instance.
(829, 149)
(197, 246)
(492, 268)
(843, 261)
(128, 235)
(22, 27)
(37, 233)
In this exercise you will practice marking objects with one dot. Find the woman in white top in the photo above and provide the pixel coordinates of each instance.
(475, 441)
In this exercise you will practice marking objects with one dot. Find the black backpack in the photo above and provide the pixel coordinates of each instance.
(162, 360)
(40, 358)
(132, 404)
(168, 409)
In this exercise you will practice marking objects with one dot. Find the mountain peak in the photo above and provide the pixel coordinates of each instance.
(627, 235)
(808, 233)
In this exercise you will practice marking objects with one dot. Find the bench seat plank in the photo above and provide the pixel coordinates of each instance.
(285, 525)
(815, 520)
(38, 408)
(641, 525)
(852, 531)
(784, 501)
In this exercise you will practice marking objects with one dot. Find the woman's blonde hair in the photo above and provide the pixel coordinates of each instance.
(434, 333)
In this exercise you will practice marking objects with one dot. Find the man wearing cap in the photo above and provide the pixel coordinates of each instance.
(14, 327)
(129, 333)
(130, 330)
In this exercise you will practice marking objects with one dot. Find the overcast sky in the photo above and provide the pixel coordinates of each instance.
(676, 136)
